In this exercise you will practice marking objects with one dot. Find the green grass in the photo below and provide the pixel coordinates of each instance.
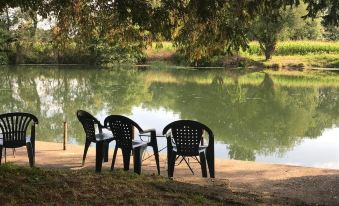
(34, 186)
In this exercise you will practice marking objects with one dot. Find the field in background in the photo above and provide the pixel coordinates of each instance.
(288, 48)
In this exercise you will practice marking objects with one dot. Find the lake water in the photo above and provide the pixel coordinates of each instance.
(273, 118)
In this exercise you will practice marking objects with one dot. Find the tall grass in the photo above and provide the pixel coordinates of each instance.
(298, 48)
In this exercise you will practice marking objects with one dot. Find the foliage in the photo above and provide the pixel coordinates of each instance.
(81, 38)
(289, 23)
(331, 33)
(328, 9)
(98, 41)
(199, 39)
(297, 27)
(266, 28)
(106, 32)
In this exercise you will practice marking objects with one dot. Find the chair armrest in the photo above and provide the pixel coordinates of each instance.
(152, 135)
(100, 127)
(103, 127)
(147, 131)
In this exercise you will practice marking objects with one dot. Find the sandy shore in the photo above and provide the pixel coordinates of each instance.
(268, 183)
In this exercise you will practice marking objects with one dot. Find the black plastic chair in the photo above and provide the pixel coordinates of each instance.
(101, 139)
(13, 127)
(123, 132)
(184, 138)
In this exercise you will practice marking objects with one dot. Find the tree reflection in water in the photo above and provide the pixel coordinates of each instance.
(252, 117)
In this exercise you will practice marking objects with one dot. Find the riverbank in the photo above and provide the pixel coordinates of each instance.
(240, 182)
(289, 55)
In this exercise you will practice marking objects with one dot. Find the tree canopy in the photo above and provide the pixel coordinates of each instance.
(200, 28)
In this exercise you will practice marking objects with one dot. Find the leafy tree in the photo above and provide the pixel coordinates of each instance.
(201, 28)
(273, 24)
(106, 32)
(328, 9)
(6, 36)
(331, 33)
(266, 28)
(297, 27)
(200, 38)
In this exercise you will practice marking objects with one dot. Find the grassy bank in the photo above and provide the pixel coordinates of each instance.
(26, 186)
(297, 55)
(291, 55)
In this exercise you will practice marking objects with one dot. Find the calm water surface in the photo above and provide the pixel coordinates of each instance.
(288, 119)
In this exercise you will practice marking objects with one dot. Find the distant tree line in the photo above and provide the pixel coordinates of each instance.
(102, 31)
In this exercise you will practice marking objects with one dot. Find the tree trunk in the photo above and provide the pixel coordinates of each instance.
(267, 46)
(18, 54)
(270, 48)
(34, 17)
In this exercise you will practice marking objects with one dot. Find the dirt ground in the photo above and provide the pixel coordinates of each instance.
(241, 182)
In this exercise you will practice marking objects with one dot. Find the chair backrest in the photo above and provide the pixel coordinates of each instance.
(187, 135)
(123, 129)
(88, 122)
(13, 128)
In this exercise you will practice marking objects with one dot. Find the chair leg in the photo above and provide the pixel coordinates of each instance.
(126, 154)
(114, 157)
(33, 146)
(156, 155)
(210, 162)
(30, 154)
(87, 144)
(137, 159)
(106, 151)
(203, 164)
(0, 154)
(171, 163)
(154, 145)
(187, 163)
(99, 156)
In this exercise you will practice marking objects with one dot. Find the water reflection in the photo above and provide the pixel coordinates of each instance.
(255, 115)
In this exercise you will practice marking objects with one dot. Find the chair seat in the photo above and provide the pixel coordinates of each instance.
(28, 139)
(202, 148)
(103, 137)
